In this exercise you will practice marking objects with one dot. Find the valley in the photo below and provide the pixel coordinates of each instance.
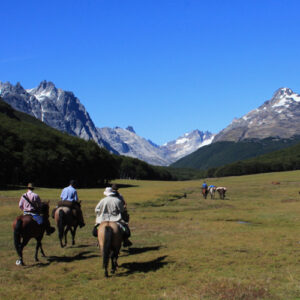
(243, 247)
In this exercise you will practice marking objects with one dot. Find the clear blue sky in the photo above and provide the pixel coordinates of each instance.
(165, 67)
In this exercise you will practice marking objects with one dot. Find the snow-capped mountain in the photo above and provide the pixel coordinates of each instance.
(57, 108)
(62, 110)
(278, 117)
(187, 144)
(128, 143)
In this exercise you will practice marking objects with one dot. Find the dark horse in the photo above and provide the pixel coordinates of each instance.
(25, 228)
(110, 239)
(204, 192)
(65, 218)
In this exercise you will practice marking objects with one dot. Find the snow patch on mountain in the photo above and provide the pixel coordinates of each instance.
(279, 116)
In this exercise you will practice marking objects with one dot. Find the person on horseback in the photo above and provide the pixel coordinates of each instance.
(111, 208)
(204, 189)
(30, 203)
(69, 198)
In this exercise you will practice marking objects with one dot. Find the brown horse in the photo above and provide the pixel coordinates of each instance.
(66, 220)
(110, 239)
(25, 228)
(222, 191)
(204, 192)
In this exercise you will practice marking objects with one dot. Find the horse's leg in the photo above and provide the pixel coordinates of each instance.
(21, 247)
(73, 232)
(37, 247)
(66, 232)
(114, 263)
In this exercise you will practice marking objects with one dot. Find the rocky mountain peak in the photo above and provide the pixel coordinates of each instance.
(282, 92)
(46, 85)
(278, 116)
(130, 128)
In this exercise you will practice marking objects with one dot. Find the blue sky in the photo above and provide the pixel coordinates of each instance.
(165, 67)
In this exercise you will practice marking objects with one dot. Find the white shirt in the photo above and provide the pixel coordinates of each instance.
(109, 209)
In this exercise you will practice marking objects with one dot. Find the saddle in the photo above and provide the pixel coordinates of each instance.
(37, 218)
(74, 212)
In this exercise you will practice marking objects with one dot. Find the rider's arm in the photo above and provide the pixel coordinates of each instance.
(21, 203)
(98, 207)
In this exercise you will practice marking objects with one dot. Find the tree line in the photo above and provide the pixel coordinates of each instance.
(31, 151)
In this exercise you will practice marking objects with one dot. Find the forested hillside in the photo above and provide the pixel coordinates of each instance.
(32, 151)
(222, 153)
(282, 160)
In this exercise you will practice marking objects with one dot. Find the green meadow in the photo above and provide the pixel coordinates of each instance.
(244, 247)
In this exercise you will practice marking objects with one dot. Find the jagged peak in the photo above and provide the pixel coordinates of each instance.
(130, 128)
(46, 85)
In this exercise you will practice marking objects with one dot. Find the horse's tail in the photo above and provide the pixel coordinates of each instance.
(107, 245)
(17, 236)
(61, 225)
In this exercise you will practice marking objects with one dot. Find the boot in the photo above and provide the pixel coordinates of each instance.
(50, 230)
(127, 242)
(95, 230)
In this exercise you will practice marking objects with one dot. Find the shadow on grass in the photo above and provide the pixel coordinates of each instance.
(143, 267)
(132, 250)
(80, 256)
(80, 246)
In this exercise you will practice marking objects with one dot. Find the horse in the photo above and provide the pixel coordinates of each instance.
(204, 192)
(212, 190)
(66, 220)
(110, 240)
(25, 228)
(221, 190)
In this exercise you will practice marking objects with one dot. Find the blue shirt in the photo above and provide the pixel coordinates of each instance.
(69, 194)
(204, 185)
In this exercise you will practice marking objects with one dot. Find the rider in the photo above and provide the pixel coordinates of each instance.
(70, 199)
(111, 209)
(31, 203)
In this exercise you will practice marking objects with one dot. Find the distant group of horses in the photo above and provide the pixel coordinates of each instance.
(212, 190)
(25, 228)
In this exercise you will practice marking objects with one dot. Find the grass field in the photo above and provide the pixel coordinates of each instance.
(244, 247)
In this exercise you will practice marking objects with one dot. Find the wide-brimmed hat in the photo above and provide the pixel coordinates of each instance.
(30, 185)
(108, 191)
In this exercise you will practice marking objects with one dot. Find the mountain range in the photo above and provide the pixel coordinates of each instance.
(62, 110)
(277, 118)
(272, 126)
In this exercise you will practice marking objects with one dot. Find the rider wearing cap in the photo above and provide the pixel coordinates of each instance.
(31, 203)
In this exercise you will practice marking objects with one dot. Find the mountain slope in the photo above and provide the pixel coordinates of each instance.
(63, 111)
(278, 117)
(225, 152)
(128, 143)
(55, 107)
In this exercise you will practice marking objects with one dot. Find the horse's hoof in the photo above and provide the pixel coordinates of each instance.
(106, 274)
(19, 262)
